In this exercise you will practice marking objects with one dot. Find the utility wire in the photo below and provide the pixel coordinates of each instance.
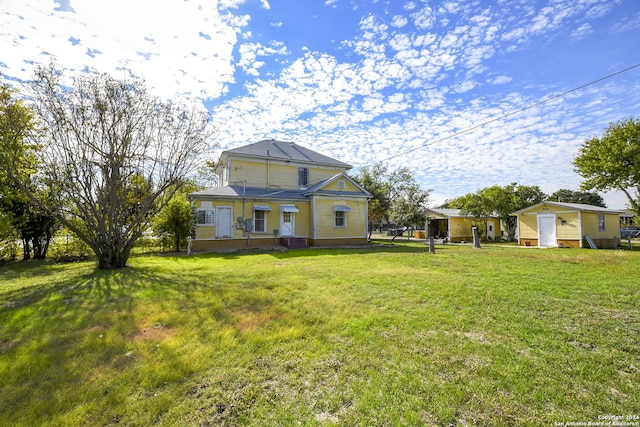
(511, 113)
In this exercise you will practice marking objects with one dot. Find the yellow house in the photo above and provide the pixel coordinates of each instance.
(276, 193)
(555, 224)
(450, 224)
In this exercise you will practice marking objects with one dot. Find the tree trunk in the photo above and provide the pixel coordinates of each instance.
(177, 243)
(112, 257)
(26, 250)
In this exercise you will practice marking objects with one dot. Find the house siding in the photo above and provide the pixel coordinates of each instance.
(274, 173)
(355, 219)
(266, 174)
(572, 225)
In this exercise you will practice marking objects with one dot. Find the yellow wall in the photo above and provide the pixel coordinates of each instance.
(460, 229)
(576, 225)
(355, 219)
(590, 225)
(302, 219)
(274, 174)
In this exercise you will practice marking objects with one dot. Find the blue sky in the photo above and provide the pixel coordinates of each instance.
(366, 81)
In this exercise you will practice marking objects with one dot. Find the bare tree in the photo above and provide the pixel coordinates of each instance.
(115, 153)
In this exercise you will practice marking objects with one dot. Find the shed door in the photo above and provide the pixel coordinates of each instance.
(491, 232)
(224, 222)
(547, 230)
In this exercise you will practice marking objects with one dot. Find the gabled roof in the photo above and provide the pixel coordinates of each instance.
(271, 193)
(317, 188)
(287, 151)
(571, 206)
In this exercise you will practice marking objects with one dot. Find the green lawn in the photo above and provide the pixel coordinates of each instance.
(386, 336)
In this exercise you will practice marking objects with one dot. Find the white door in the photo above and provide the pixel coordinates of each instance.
(287, 224)
(547, 230)
(224, 222)
(491, 232)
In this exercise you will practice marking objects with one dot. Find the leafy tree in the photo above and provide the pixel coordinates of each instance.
(116, 153)
(373, 179)
(176, 220)
(584, 197)
(396, 195)
(34, 225)
(499, 201)
(408, 199)
(612, 162)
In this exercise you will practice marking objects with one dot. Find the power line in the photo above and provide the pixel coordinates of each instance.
(511, 113)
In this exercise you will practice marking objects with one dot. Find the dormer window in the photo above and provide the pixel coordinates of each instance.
(303, 177)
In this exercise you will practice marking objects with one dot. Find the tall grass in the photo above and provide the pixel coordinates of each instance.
(381, 336)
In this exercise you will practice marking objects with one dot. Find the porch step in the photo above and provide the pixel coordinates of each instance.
(293, 242)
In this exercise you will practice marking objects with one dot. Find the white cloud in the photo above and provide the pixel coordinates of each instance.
(582, 31)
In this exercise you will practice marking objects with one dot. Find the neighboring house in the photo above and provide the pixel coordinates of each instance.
(555, 224)
(455, 227)
(280, 193)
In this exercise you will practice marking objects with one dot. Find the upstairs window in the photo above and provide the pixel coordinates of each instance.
(303, 177)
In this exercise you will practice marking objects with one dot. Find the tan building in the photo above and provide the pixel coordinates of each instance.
(279, 193)
(450, 224)
(555, 224)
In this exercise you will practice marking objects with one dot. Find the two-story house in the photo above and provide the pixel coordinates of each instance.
(279, 193)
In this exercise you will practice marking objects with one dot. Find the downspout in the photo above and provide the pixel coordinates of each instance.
(313, 217)
(366, 219)
(580, 226)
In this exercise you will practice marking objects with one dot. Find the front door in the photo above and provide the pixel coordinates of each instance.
(547, 230)
(224, 222)
(287, 224)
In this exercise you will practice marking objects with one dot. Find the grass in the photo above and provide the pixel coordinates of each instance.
(381, 336)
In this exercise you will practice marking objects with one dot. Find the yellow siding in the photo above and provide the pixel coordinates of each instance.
(302, 219)
(460, 229)
(275, 174)
(355, 220)
(528, 226)
(590, 225)
(569, 230)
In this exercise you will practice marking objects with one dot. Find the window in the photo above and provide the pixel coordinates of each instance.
(601, 223)
(339, 219)
(259, 221)
(341, 183)
(303, 177)
(204, 217)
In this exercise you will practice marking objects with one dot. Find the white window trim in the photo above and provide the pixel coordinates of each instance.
(335, 217)
(603, 223)
(342, 184)
(212, 217)
(265, 220)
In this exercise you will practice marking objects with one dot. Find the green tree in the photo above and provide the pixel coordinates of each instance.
(116, 153)
(612, 161)
(583, 197)
(373, 179)
(176, 221)
(33, 224)
(408, 199)
(498, 201)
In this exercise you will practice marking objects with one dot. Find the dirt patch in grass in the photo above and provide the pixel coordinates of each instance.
(155, 332)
